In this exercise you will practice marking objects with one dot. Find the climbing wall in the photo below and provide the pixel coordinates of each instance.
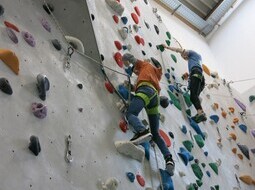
(81, 103)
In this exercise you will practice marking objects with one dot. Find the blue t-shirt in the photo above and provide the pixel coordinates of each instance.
(195, 60)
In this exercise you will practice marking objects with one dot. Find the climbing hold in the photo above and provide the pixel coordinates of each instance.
(1, 10)
(92, 17)
(146, 146)
(12, 35)
(251, 98)
(247, 179)
(156, 29)
(232, 136)
(240, 156)
(28, 38)
(127, 47)
(235, 120)
(181, 174)
(48, 7)
(199, 140)
(188, 112)
(102, 57)
(118, 59)
(231, 109)
(243, 128)
(129, 70)
(184, 129)
(164, 101)
(192, 186)
(109, 184)
(167, 75)
(5, 86)
(234, 150)
(171, 134)
(197, 171)
(124, 20)
(215, 106)
(146, 2)
(75, 43)
(56, 44)
(118, 45)
(142, 41)
(244, 149)
(123, 91)
(167, 181)
(10, 25)
(203, 165)
(34, 145)
(188, 145)
(174, 58)
(137, 39)
(129, 149)
(123, 125)
(160, 47)
(187, 100)
(135, 18)
(43, 85)
(165, 137)
(140, 180)
(116, 19)
(253, 132)
(205, 153)
(45, 25)
(150, 44)
(185, 156)
(206, 69)
(168, 35)
(109, 87)
(185, 76)
(155, 62)
(175, 100)
(168, 42)
(123, 32)
(215, 118)
(199, 183)
(196, 127)
(115, 6)
(10, 59)
(224, 114)
(208, 173)
(130, 176)
(147, 25)
(240, 104)
(137, 11)
(39, 110)
(214, 167)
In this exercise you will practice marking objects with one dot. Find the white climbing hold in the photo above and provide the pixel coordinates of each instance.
(129, 149)
(123, 32)
(208, 96)
(109, 184)
(75, 43)
(219, 144)
(162, 117)
(181, 174)
(218, 162)
(116, 6)
(148, 188)
(236, 166)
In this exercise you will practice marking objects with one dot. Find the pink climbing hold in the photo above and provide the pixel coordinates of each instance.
(135, 18)
(118, 45)
(138, 39)
(140, 180)
(39, 110)
(109, 86)
(116, 19)
(118, 59)
(137, 11)
(123, 125)
(142, 41)
(165, 137)
(12, 26)
(28, 38)
(46, 25)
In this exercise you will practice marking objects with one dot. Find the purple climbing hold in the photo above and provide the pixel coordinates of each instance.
(43, 85)
(34, 145)
(45, 24)
(253, 132)
(5, 86)
(28, 38)
(12, 35)
(130, 176)
(39, 110)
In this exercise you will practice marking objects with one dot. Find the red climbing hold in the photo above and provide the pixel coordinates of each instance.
(118, 59)
(123, 125)
(109, 87)
(142, 41)
(165, 137)
(116, 19)
(138, 39)
(135, 18)
(118, 45)
(140, 180)
(12, 26)
(137, 11)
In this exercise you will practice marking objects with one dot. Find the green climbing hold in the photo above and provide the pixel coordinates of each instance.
(161, 48)
(175, 100)
(197, 171)
(168, 42)
(199, 183)
(188, 112)
(214, 167)
(188, 145)
(168, 35)
(168, 70)
(174, 58)
(190, 187)
(217, 187)
(169, 81)
(199, 140)
(203, 165)
(186, 97)
(251, 98)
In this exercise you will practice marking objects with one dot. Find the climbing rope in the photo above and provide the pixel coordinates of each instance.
(156, 158)
(243, 80)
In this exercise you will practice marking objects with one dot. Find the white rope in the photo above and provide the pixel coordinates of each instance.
(158, 172)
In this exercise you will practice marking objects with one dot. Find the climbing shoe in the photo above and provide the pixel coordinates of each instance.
(199, 118)
(141, 137)
(170, 165)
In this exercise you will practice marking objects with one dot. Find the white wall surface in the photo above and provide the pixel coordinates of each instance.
(233, 46)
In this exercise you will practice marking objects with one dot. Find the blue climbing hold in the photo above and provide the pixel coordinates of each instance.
(124, 20)
(206, 153)
(129, 71)
(184, 129)
(171, 87)
(146, 146)
(167, 75)
(243, 128)
(185, 156)
(215, 118)
(208, 173)
(130, 176)
(196, 127)
(123, 91)
(166, 180)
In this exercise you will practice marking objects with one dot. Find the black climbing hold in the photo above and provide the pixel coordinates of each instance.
(156, 29)
(146, 2)
(155, 62)
(56, 44)
(147, 25)
(168, 70)
(43, 85)
(150, 44)
(80, 86)
(102, 57)
(196, 161)
(5, 86)
(171, 134)
(164, 101)
(48, 7)
(92, 17)
(1, 10)
(143, 52)
(34, 145)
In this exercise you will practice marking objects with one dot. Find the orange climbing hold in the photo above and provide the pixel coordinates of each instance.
(231, 109)
(234, 150)
(135, 18)
(12, 26)
(235, 120)
(10, 59)
(247, 179)
(233, 136)
(165, 137)
(233, 127)
(109, 87)
(240, 156)
(118, 45)
(215, 106)
(206, 69)
(224, 114)
(137, 39)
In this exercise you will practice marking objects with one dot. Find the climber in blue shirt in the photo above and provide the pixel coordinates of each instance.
(196, 79)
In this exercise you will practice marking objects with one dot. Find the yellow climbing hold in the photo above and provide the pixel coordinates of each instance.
(206, 69)
(10, 59)
(232, 136)
(247, 179)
